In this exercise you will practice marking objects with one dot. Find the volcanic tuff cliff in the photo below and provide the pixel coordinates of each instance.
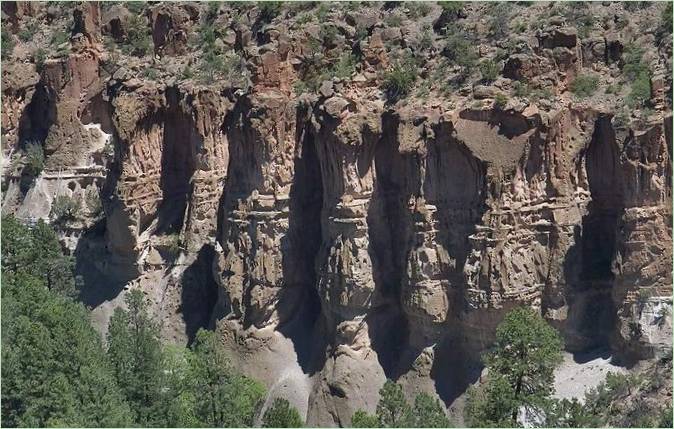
(335, 238)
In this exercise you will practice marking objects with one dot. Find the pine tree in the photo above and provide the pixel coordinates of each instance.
(225, 398)
(282, 415)
(429, 412)
(54, 371)
(393, 409)
(520, 371)
(134, 350)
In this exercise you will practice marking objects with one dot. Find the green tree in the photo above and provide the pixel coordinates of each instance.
(393, 409)
(520, 371)
(54, 370)
(282, 415)
(428, 412)
(361, 419)
(225, 398)
(134, 351)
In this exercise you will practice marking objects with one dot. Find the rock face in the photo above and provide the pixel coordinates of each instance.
(335, 240)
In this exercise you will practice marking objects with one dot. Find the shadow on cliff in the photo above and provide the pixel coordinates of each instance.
(299, 305)
(589, 263)
(199, 293)
(91, 260)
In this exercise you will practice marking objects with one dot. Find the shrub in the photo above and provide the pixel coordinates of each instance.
(136, 7)
(269, 10)
(640, 90)
(417, 9)
(498, 26)
(667, 22)
(328, 34)
(584, 85)
(34, 158)
(489, 70)
(138, 39)
(28, 31)
(151, 73)
(426, 41)
(459, 51)
(210, 65)
(92, 199)
(451, 6)
(64, 209)
(187, 73)
(393, 19)
(7, 43)
(345, 66)
(39, 58)
(323, 11)
(500, 100)
(173, 244)
(399, 80)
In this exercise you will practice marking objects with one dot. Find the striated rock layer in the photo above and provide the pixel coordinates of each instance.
(334, 240)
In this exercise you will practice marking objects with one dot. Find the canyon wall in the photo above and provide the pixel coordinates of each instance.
(335, 240)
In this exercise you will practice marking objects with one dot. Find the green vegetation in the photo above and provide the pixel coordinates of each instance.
(584, 85)
(417, 9)
(174, 244)
(399, 80)
(55, 371)
(489, 69)
(499, 23)
(7, 43)
(460, 51)
(281, 415)
(39, 58)
(667, 18)
(134, 352)
(269, 10)
(500, 100)
(64, 209)
(92, 199)
(138, 40)
(453, 7)
(28, 31)
(636, 71)
(34, 158)
(393, 410)
(393, 19)
(520, 371)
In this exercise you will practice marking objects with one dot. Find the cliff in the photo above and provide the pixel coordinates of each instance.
(336, 237)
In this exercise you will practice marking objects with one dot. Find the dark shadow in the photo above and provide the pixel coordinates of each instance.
(299, 305)
(389, 230)
(91, 256)
(180, 146)
(588, 265)
(586, 356)
(454, 369)
(199, 293)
